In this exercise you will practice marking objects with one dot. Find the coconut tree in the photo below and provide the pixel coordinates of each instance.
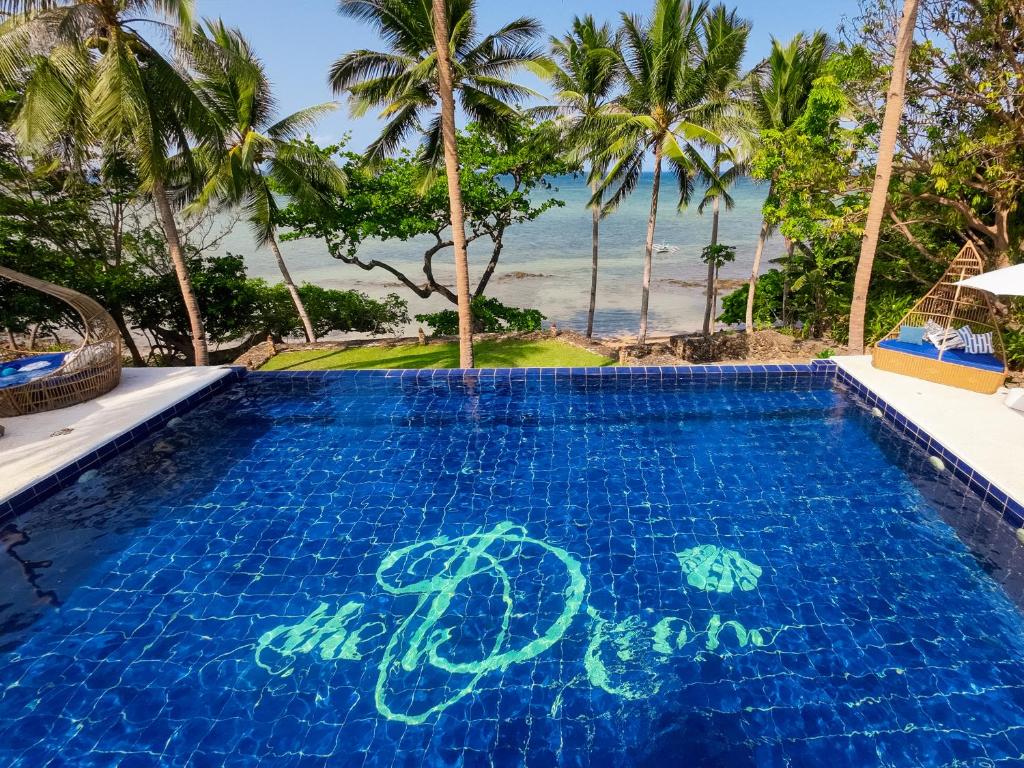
(90, 80)
(586, 67)
(779, 96)
(451, 166)
(403, 83)
(665, 89)
(727, 113)
(260, 155)
(883, 174)
(435, 53)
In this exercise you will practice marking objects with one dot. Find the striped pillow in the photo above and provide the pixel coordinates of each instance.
(943, 338)
(976, 343)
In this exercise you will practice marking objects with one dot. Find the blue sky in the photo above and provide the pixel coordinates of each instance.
(298, 39)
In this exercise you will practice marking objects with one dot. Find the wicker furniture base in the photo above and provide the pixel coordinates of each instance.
(87, 372)
(950, 374)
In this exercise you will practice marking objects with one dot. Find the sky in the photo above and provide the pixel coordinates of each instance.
(299, 39)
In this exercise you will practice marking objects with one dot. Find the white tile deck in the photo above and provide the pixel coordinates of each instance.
(30, 451)
(980, 429)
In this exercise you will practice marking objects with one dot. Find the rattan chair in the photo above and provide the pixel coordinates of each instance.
(951, 306)
(84, 373)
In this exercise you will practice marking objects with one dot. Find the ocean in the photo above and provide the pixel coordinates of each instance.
(546, 263)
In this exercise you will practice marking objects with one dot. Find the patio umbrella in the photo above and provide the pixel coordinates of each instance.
(1002, 282)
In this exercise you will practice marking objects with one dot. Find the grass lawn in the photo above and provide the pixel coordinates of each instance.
(511, 353)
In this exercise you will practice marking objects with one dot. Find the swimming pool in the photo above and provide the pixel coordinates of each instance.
(371, 570)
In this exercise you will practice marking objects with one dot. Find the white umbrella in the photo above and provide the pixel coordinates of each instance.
(1002, 282)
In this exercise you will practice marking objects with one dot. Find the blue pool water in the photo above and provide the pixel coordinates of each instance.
(359, 570)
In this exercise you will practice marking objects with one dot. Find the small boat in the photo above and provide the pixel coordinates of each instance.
(665, 248)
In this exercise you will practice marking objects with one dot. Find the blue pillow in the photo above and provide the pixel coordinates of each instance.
(912, 334)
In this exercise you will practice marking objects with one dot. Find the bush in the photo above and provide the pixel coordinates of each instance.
(767, 301)
(1014, 341)
(489, 316)
(330, 310)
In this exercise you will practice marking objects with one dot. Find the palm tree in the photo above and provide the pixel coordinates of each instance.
(586, 68)
(260, 155)
(780, 92)
(90, 79)
(880, 191)
(436, 52)
(665, 83)
(451, 166)
(404, 82)
(728, 116)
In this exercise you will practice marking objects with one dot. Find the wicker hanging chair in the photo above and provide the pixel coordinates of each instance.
(82, 374)
(951, 306)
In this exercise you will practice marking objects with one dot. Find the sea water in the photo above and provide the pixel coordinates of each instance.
(546, 263)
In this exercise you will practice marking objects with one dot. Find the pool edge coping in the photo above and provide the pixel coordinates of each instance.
(1011, 509)
(64, 476)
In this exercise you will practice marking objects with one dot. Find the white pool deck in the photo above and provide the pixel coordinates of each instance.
(35, 447)
(980, 429)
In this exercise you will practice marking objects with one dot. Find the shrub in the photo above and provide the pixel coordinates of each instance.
(1014, 341)
(767, 301)
(489, 316)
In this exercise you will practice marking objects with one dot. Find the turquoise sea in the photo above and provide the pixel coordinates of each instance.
(546, 263)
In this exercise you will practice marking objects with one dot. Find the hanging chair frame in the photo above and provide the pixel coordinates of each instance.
(89, 371)
(952, 306)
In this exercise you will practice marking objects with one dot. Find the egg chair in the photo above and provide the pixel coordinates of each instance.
(51, 381)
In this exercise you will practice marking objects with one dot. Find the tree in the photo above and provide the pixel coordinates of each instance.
(445, 87)
(260, 156)
(883, 173)
(90, 79)
(586, 68)
(436, 52)
(665, 84)
(403, 82)
(960, 147)
(779, 92)
(500, 188)
(729, 117)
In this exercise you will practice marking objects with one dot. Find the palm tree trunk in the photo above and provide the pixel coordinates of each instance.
(195, 317)
(712, 291)
(307, 324)
(761, 240)
(880, 191)
(652, 221)
(451, 165)
(595, 233)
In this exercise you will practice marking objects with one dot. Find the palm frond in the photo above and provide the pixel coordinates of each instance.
(295, 125)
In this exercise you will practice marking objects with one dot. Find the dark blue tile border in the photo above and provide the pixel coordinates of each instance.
(1011, 509)
(817, 373)
(66, 476)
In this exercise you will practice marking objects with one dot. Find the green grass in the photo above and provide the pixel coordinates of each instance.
(512, 353)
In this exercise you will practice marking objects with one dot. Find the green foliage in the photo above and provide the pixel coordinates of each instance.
(264, 157)
(826, 354)
(489, 316)
(1014, 341)
(884, 311)
(236, 307)
(504, 182)
(767, 301)
(401, 83)
(719, 254)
